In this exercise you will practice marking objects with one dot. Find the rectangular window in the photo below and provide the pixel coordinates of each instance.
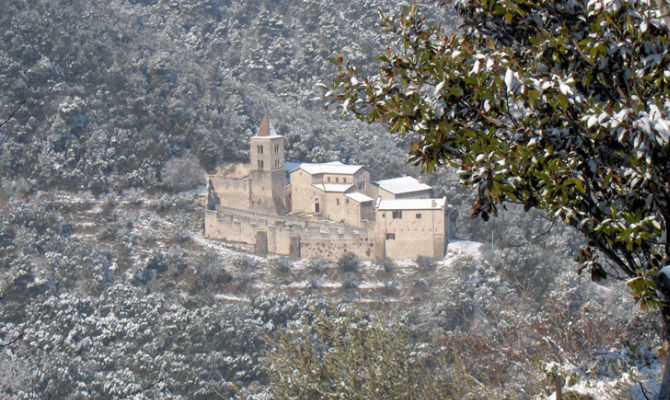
(390, 236)
(277, 163)
(337, 180)
(276, 148)
(397, 214)
(329, 179)
(260, 164)
(337, 202)
(418, 216)
(260, 149)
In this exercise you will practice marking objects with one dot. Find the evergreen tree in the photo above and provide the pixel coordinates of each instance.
(562, 106)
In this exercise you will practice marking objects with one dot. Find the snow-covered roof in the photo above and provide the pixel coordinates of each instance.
(359, 197)
(333, 167)
(266, 129)
(333, 187)
(412, 204)
(405, 184)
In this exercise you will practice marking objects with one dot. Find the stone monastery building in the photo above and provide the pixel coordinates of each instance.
(321, 210)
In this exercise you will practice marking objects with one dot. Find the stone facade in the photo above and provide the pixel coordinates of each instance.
(323, 210)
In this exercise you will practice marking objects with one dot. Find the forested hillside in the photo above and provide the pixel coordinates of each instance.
(109, 92)
(111, 110)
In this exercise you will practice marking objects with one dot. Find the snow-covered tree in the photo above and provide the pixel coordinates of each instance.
(562, 106)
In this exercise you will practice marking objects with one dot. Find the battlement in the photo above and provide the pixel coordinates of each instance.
(314, 238)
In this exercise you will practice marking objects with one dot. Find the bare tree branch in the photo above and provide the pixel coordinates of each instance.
(18, 107)
(142, 389)
(665, 12)
(16, 339)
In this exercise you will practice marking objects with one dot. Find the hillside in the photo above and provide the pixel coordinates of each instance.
(108, 93)
(114, 110)
(124, 297)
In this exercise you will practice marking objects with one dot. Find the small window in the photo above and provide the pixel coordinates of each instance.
(418, 215)
(329, 179)
(397, 214)
(337, 202)
(260, 149)
(260, 164)
(337, 180)
(344, 180)
(276, 163)
(276, 148)
(346, 201)
(390, 236)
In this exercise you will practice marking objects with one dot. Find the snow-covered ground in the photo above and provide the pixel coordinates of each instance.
(463, 290)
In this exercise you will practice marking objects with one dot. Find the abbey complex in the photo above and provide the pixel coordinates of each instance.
(321, 210)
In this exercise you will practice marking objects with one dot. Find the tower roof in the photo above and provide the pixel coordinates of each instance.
(266, 129)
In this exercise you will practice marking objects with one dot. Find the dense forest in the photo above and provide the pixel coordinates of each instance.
(108, 94)
(111, 113)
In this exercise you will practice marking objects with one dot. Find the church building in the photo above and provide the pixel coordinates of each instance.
(322, 210)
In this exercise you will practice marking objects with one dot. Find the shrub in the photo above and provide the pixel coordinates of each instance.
(351, 283)
(214, 274)
(349, 263)
(389, 265)
(182, 173)
(246, 262)
(421, 283)
(354, 356)
(318, 265)
(425, 263)
(281, 265)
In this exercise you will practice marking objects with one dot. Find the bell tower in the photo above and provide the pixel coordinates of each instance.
(267, 173)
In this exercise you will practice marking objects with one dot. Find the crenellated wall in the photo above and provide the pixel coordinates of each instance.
(317, 239)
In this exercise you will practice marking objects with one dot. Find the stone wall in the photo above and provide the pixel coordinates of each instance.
(340, 208)
(303, 194)
(414, 233)
(386, 195)
(267, 191)
(317, 239)
(230, 191)
(332, 245)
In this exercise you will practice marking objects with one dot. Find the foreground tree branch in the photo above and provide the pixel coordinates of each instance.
(562, 106)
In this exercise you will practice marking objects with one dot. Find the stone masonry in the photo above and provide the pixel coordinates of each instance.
(321, 210)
